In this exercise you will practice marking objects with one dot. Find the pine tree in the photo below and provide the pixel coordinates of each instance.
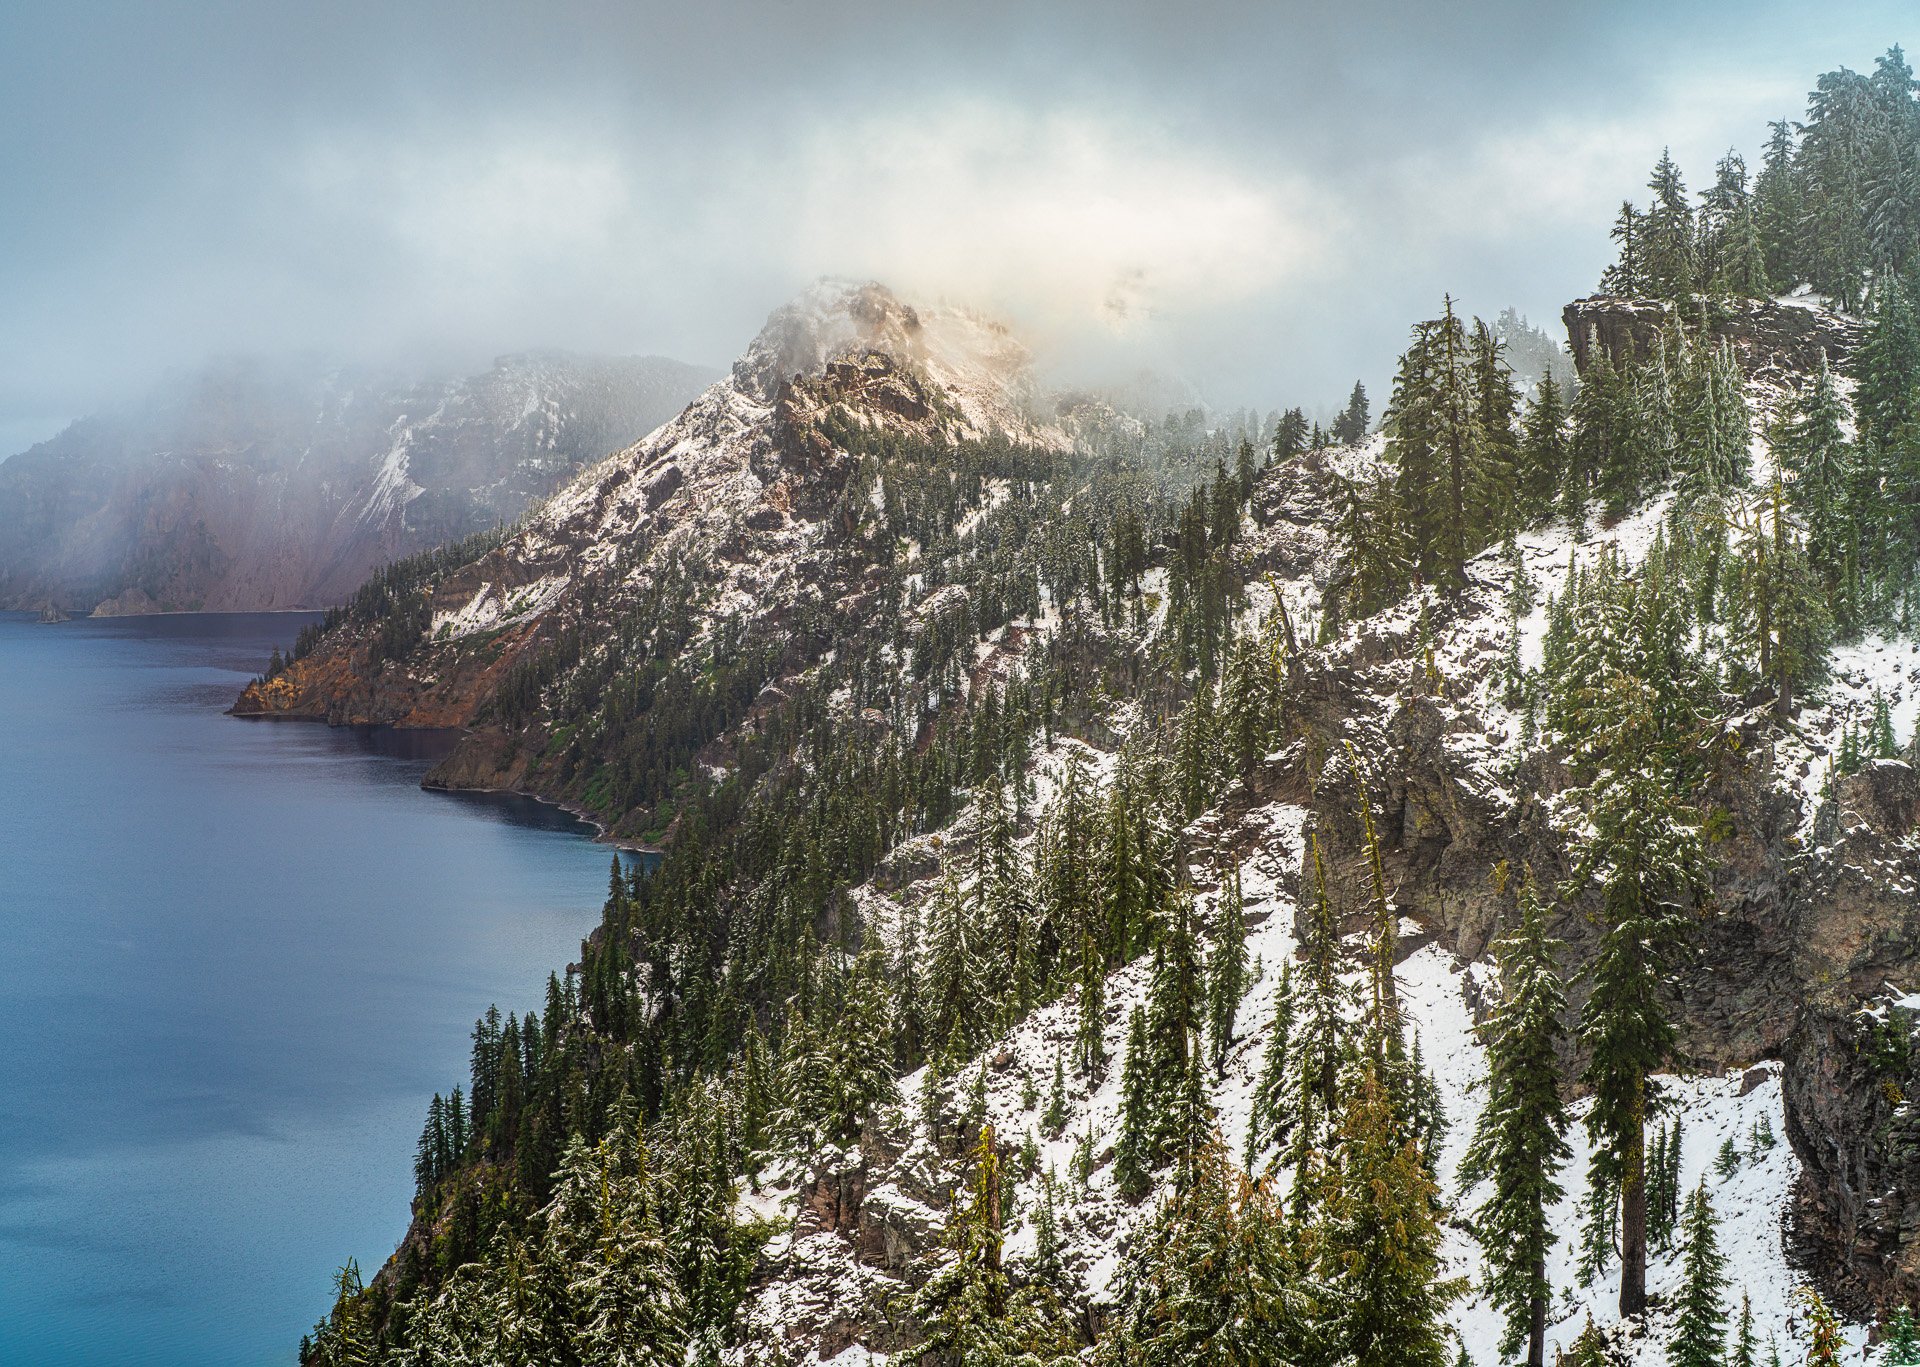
(1811, 443)
(1777, 208)
(1588, 1350)
(1274, 1094)
(1213, 1278)
(1227, 976)
(860, 1049)
(1728, 1161)
(1700, 1332)
(1350, 427)
(970, 1308)
(1903, 1339)
(1176, 1003)
(1519, 1144)
(956, 988)
(1595, 424)
(1543, 447)
(1644, 852)
(1745, 1345)
(1055, 1116)
(1133, 1153)
(1378, 1240)
(626, 1305)
(1668, 248)
(1322, 1033)
(1627, 275)
(1782, 610)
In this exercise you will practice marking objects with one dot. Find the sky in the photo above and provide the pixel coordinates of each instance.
(1251, 200)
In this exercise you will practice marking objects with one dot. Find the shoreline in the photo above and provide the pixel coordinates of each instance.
(600, 836)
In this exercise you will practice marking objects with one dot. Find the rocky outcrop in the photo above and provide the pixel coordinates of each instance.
(1771, 337)
(737, 512)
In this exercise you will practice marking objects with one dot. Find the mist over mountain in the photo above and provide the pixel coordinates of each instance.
(252, 485)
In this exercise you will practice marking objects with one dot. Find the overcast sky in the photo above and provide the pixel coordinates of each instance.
(1256, 198)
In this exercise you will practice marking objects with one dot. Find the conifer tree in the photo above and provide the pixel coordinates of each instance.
(1275, 1094)
(1133, 1153)
(1227, 976)
(1699, 1338)
(1825, 1343)
(1213, 1278)
(1543, 446)
(1321, 1036)
(1351, 426)
(956, 977)
(1175, 1022)
(970, 1308)
(1496, 501)
(1519, 1143)
(1811, 442)
(1745, 1345)
(860, 1048)
(1644, 853)
(1378, 1241)
(1667, 233)
(1903, 1339)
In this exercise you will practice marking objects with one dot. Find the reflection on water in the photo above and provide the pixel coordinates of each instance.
(236, 958)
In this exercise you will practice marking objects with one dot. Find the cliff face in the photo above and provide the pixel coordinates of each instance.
(1771, 337)
(249, 487)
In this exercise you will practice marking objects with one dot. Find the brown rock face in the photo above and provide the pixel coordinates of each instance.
(1769, 337)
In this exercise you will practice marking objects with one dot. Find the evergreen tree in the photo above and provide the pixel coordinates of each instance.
(1378, 1240)
(1215, 1277)
(1699, 1338)
(1812, 445)
(1496, 502)
(1322, 1033)
(1350, 427)
(1543, 447)
(970, 1308)
(1644, 852)
(1903, 1339)
(1667, 233)
(1275, 1094)
(1745, 1345)
(1519, 1144)
(1825, 1343)
(1227, 976)
(1133, 1153)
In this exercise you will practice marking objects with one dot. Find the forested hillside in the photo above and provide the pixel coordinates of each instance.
(1185, 892)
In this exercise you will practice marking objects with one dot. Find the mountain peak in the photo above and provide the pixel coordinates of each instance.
(969, 355)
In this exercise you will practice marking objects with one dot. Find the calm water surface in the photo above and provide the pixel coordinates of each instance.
(235, 960)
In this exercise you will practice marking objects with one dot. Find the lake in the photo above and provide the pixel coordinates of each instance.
(236, 958)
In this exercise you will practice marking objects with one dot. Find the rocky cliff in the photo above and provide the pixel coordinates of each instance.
(251, 486)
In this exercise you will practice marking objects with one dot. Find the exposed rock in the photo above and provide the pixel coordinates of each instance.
(1769, 336)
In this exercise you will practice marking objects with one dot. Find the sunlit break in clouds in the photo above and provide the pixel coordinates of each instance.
(1253, 201)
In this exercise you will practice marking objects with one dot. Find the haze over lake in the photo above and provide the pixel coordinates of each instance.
(235, 961)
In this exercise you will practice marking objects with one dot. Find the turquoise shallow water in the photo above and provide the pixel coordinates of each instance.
(235, 960)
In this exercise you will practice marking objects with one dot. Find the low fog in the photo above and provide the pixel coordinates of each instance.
(1250, 200)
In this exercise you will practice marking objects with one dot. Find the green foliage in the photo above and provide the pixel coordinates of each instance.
(1700, 1331)
(1519, 1144)
(1215, 1277)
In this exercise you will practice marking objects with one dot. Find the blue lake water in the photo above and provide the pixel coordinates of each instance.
(236, 958)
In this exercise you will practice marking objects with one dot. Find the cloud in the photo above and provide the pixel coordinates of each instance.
(1076, 215)
(1259, 197)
